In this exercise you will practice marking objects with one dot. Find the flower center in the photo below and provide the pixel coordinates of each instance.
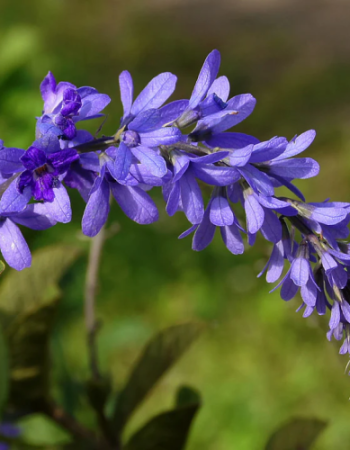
(131, 138)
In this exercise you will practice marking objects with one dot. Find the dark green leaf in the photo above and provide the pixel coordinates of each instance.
(167, 431)
(298, 434)
(158, 356)
(28, 302)
(23, 291)
(4, 372)
(187, 396)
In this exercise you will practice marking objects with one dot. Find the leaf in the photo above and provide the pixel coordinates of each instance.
(298, 434)
(22, 291)
(28, 302)
(4, 372)
(2, 266)
(169, 430)
(159, 355)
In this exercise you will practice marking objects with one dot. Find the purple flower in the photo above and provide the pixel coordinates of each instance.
(42, 171)
(65, 105)
(8, 430)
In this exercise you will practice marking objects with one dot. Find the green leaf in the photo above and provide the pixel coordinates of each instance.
(298, 434)
(2, 266)
(4, 373)
(158, 356)
(23, 291)
(28, 302)
(169, 430)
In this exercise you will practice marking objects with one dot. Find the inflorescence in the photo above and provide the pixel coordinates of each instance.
(175, 146)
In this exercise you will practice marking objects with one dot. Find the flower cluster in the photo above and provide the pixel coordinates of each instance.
(176, 146)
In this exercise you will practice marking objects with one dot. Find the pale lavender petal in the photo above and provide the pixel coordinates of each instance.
(13, 246)
(298, 144)
(220, 87)
(126, 91)
(122, 162)
(288, 290)
(154, 162)
(180, 164)
(135, 203)
(206, 77)
(191, 197)
(10, 160)
(47, 89)
(163, 136)
(232, 239)
(216, 175)
(12, 201)
(96, 211)
(271, 228)
(60, 209)
(301, 168)
(204, 233)
(268, 150)
(155, 93)
(240, 157)
(230, 140)
(276, 263)
(300, 271)
(146, 121)
(172, 111)
(254, 212)
(187, 232)
(48, 143)
(92, 105)
(210, 158)
(328, 216)
(34, 217)
(335, 316)
(309, 293)
(173, 199)
(220, 212)
(257, 180)
(345, 308)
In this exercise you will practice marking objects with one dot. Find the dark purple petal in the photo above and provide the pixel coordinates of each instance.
(287, 184)
(206, 77)
(189, 231)
(220, 212)
(126, 91)
(96, 211)
(62, 160)
(288, 290)
(43, 188)
(33, 158)
(25, 179)
(191, 197)
(163, 136)
(232, 239)
(80, 179)
(155, 93)
(71, 102)
(220, 87)
(209, 159)
(135, 203)
(13, 246)
(90, 161)
(10, 160)
(230, 140)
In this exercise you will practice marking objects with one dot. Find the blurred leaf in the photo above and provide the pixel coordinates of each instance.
(39, 430)
(159, 355)
(28, 302)
(2, 266)
(298, 434)
(18, 46)
(169, 430)
(22, 291)
(186, 395)
(4, 372)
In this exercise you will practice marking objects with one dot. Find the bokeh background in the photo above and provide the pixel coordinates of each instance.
(259, 363)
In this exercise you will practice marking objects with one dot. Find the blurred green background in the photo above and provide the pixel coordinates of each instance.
(259, 362)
